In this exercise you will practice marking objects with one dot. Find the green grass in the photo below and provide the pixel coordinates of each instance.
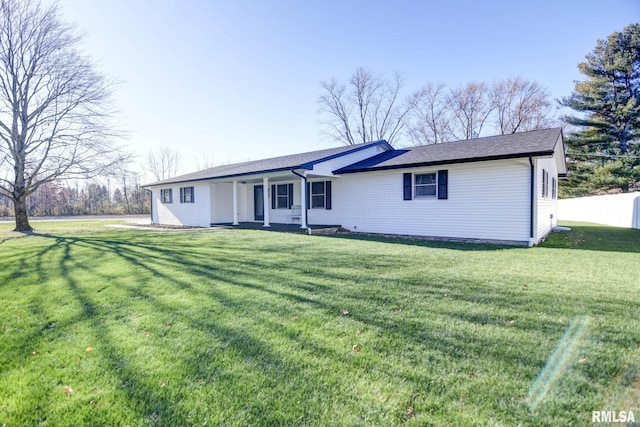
(253, 328)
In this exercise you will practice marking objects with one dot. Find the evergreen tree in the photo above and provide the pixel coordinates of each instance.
(605, 153)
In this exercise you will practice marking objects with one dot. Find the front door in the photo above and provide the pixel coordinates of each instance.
(258, 203)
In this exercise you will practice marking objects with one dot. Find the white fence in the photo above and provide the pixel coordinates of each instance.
(620, 210)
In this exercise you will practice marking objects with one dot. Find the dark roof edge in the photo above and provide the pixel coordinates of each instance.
(219, 177)
(450, 162)
(309, 165)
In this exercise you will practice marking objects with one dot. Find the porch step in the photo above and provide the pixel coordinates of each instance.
(327, 230)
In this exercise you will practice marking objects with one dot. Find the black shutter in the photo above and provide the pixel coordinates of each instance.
(181, 194)
(327, 195)
(274, 196)
(193, 194)
(443, 178)
(290, 191)
(407, 186)
(308, 195)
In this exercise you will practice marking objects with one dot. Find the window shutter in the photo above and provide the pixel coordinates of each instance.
(290, 191)
(407, 186)
(308, 195)
(443, 179)
(274, 196)
(181, 194)
(327, 195)
(193, 194)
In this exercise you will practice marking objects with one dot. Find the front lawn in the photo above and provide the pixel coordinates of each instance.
(103, 326)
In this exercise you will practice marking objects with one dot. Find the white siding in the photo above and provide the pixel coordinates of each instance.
(243, 202)
(221, 202)
(326, 168)
(194, 214)
(487, 200)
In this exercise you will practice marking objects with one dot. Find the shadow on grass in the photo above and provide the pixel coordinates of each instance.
(470, 245)
(272, 287)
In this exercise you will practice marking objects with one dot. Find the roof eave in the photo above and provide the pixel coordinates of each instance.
(156, 184)
(450, 162)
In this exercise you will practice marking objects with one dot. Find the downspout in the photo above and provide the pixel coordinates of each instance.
(303, 202)
(532, 200)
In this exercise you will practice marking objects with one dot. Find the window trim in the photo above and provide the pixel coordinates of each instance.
(279, 196)
(326, 195)
(163, 195)
(323, 195)
(434, 185)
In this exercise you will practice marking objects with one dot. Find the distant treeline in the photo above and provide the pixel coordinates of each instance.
(94, 198)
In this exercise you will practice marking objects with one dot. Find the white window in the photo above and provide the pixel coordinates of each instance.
(186, 195)
(282, 196)
(425, 185)
(317, 195)
(166, 195)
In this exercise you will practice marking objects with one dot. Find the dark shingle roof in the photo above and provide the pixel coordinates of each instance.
(302, 160)
(534, 143)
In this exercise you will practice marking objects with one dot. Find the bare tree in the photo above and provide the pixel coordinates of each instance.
(55, 116)
(471, 107)
(205, 161)
(366, 109)
(521, 105)
(163, 163)
(432, 116)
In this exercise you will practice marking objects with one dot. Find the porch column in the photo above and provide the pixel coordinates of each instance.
(303, 203)
(267, 200)
(235, 202)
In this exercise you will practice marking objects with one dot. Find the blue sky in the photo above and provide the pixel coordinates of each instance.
(239, 80)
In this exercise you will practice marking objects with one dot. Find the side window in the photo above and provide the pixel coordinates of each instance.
(187, 195)
(166, 195)
(545, 184)
(317, 195)
(425, 185)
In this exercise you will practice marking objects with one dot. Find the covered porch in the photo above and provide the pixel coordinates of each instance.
(283, 200)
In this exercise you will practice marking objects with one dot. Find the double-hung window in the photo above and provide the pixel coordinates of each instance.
(425, 185)
(317, 195)
(166, 195)
(187, 195)
(282, 194)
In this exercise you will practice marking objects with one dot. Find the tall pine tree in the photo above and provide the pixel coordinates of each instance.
(604, 155)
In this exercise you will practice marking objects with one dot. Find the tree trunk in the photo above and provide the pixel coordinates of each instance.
(22, 219)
